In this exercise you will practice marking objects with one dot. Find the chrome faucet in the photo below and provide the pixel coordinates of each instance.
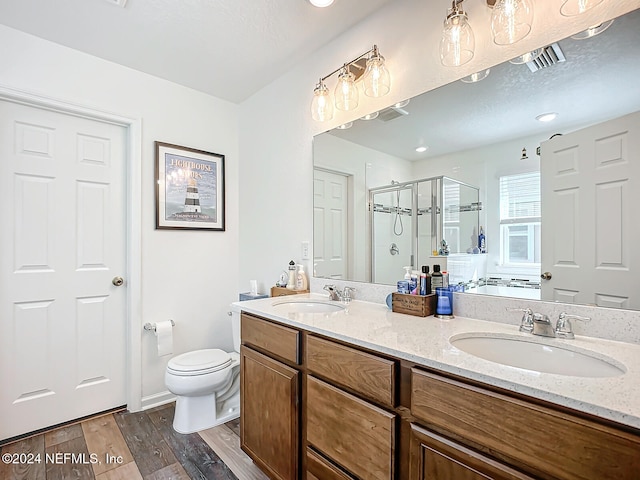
(542, 326)
(563, 326)
(334, 292)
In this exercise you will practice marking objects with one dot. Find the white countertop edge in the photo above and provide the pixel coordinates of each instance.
(582, 394)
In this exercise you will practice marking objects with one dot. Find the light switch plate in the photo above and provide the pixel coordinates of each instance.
(305, 250)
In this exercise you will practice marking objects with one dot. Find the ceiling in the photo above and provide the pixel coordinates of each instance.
(598, 81)
(226, 48)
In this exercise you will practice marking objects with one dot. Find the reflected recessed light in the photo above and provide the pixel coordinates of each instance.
(421, 149)
(527, 57)
(476, 77)
(401, 104)
(321, 3)
(547, 117)
(371, 116)
(592, 31)
(344, 126)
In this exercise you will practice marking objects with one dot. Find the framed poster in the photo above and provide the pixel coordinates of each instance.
(189, 188)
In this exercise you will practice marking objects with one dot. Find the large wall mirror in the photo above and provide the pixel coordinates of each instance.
(556, 201)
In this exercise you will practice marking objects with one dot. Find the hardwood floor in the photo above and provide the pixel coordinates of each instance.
(129, 446)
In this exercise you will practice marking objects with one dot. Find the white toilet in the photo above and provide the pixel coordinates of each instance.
(206, 384)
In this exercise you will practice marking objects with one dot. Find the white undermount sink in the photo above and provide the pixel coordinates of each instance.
(308, 306)
(520, 352)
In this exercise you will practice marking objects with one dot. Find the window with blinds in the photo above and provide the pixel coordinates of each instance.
(520, 219)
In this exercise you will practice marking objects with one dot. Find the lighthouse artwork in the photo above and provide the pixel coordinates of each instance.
(190, 188)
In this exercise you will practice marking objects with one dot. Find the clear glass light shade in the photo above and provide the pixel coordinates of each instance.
(321, 105)
(376, 79)
(575, 7)
(346, 92)
(458, 42)
(511, 21)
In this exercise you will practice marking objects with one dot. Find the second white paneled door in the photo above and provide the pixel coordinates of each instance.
(63, 246)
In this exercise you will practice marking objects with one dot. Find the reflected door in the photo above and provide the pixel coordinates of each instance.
(590, 197)
(330, 229)
(62, 318)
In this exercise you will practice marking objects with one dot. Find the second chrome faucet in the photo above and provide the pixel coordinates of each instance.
(540, 324)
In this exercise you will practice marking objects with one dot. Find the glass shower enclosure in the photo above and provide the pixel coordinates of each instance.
(409, 221)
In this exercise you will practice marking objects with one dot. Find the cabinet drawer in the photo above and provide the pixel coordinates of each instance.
(540, 440)
(277, 339)
(351, 432)
(434, 457)
(320, 469)
(362, 372)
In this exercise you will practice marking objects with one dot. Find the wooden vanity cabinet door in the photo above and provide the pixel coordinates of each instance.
(269, 406)
(320, 469)
(354, 434)
(434, 457)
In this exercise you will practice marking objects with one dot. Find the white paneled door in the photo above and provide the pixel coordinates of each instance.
(590, 200)
(330, 234)
(63, 247)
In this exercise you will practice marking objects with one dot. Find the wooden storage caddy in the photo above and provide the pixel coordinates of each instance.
(418, 305)
(282, 291)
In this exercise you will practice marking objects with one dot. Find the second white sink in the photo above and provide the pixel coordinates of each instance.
(520, 352)
(308, 306)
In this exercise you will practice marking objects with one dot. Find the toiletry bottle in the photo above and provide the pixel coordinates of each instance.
(425, 281)
(302, 282)
(407, 273)
(436, 277)
(413, 283)
(482, 242)
(291, 283)
(445, 279)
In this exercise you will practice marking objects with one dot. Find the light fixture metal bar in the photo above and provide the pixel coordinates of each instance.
(375, 47)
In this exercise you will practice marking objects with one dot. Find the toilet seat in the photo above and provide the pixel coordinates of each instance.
(199, 362)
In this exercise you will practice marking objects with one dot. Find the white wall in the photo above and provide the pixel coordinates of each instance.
(189, 276)
(276, 126)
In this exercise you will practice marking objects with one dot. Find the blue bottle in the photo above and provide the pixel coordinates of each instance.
(482, 246)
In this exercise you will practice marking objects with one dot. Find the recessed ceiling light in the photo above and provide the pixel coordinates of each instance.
(401, 104)
(344, 126)
(421, 149)
(547, 117)
(370, 116)
(477, 76)
(321, 3)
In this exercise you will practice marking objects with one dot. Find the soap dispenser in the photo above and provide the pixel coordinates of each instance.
(291, 283)
(302, 282)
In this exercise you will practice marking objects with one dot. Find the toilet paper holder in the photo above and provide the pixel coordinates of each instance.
(151, 327)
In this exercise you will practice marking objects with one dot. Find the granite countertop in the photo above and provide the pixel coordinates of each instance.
(425, 341)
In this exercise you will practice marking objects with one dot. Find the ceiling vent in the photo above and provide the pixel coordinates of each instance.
(391, 113)
(551, 55)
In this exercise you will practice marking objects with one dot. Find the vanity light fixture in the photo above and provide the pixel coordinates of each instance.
(592, 31)
(571, 8)
(321, 3)
(476, 77)
(346, 92)
(375, 79)
(321, 105)
(547, 117)
(458, 43)
(511, 20)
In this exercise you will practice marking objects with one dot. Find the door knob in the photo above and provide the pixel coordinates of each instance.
(117, 281)
(546, 276)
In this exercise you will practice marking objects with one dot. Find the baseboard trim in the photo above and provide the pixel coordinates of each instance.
(157, 400)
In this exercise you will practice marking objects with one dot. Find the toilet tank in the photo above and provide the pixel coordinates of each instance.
(235, 326)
